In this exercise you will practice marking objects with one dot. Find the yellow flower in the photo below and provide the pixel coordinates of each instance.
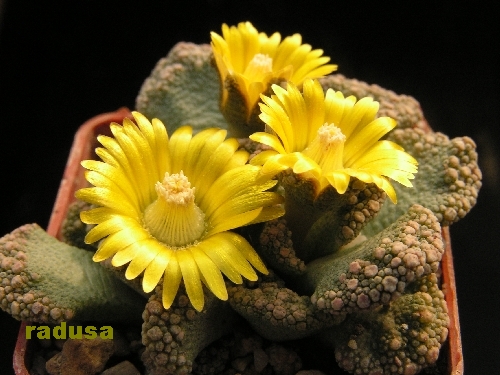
(328, 138)
(253, 60)
(167, 206)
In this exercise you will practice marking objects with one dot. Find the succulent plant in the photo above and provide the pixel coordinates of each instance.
(280, 235)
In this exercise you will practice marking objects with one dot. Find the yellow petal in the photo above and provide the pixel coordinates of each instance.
(354, 118)
(378, 180)
(339, 180)
(201, 147)
(277, 164)
(162, 151)
(262, 157)
(247, 251)
(97, 215)
(269, 140)
(110, 172)
(277, 119)
(121, 240)
(227, 258)
(254, 89)
(362, 113)
(335, 107)
(269, 213)
(304, 164)
(134, 152)
(230, 222)
(110, 226)
(146, 128)
(286, 49)
(365, 138)
(106, 157)
(104, 197)
(314, 99)
(147, 251)
(115, 151)
(389, 189)
(156, 268)
(191, 277)
(118, 241)
(239, 158)
(227, 186)
(146, 148)
(126, 254)
(239, 44)
(386, 186)
(171, 281)
(119, 190)
(211, 273)
(241, 204)
(383, 159)
(208, 159)
(387, 152)
(219, 155)
(295, 108)
(104, 252)
(179, 145)
(313, 69)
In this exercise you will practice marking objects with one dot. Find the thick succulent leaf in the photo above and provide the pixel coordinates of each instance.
(447, 182)
(374, 272)
(51, 282)
(183, 89)
(380, 341)
(291, 317)
(177, 335)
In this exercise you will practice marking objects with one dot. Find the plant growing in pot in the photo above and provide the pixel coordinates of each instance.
(241, 212)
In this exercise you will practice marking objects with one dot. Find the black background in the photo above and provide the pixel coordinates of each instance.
(62, 62)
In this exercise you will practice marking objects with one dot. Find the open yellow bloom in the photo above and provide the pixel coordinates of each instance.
(167, 206)
(329, 138)
(253, 60)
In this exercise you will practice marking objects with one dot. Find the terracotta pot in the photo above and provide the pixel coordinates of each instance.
(455, 357)
(73, 179)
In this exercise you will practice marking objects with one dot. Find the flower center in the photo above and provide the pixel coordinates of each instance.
(258, 67)
(174, 218)
(327, 148)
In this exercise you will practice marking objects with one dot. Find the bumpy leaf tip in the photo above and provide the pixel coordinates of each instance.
(403, 339)
(68, 286)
